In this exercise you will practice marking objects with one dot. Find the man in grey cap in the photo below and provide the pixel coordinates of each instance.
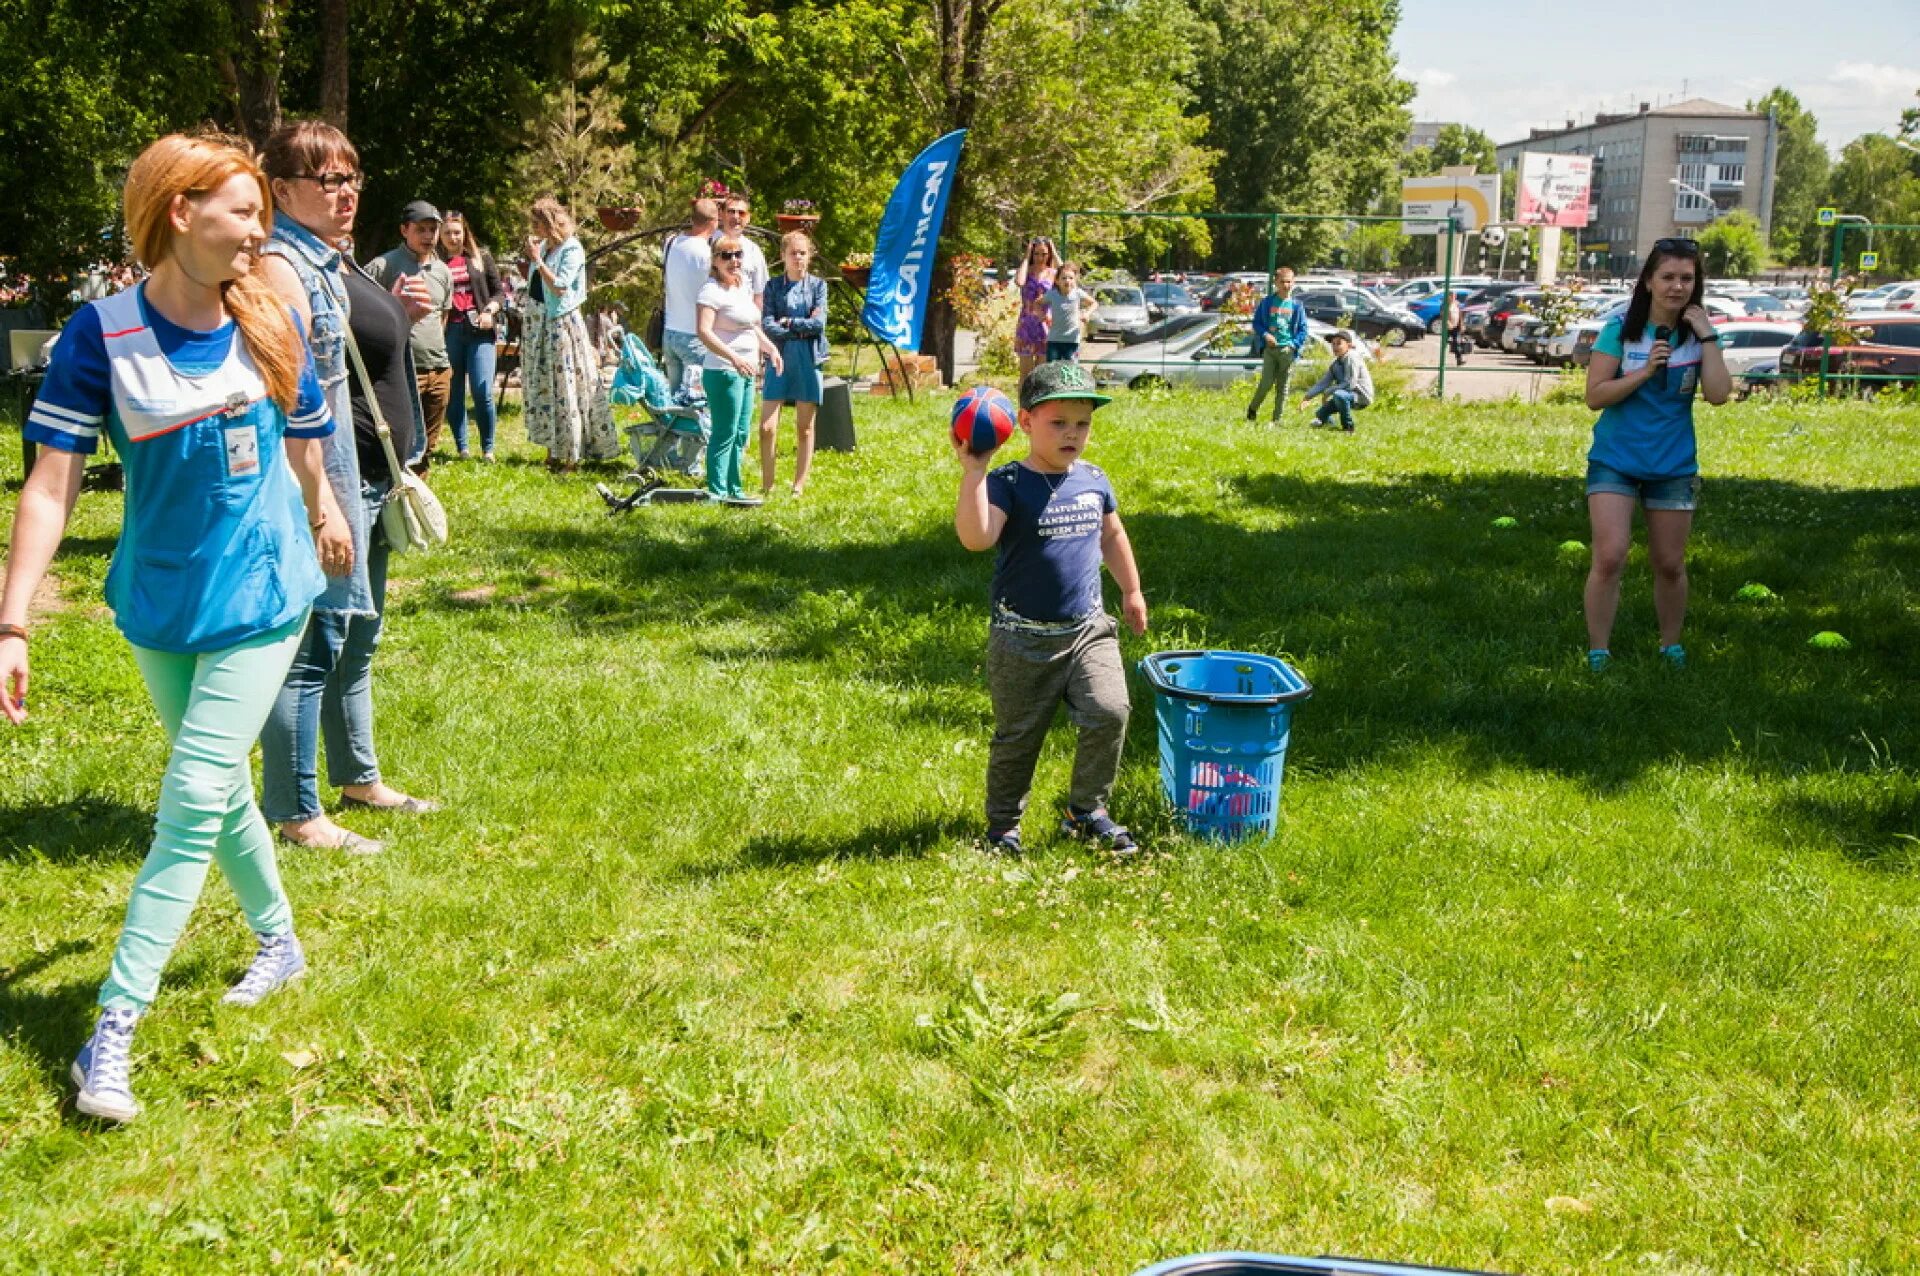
(416, 262)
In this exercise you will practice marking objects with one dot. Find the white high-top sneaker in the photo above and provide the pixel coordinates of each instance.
(103, 1068)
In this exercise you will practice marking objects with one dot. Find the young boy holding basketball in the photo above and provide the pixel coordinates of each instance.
(1054, 520)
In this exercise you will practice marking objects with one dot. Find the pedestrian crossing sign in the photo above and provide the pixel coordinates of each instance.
(1869, 261)
(1828, 216)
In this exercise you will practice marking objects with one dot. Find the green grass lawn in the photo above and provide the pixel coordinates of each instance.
(701, 969)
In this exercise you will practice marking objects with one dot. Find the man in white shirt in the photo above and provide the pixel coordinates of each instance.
(688, 259)
(734, 216)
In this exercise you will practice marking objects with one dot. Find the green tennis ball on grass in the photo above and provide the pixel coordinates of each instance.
(1827, 640)
(1572, 549)
(1755, 592)
(1506, 521)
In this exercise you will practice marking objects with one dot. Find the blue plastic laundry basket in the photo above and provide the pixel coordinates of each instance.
(1224, 720)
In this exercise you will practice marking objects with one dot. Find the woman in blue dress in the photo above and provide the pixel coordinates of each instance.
(795, 319)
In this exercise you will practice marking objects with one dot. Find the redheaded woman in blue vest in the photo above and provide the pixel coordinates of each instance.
(201, 378)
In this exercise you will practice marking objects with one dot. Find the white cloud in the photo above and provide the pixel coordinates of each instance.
(1880, 82)
(1432, 78)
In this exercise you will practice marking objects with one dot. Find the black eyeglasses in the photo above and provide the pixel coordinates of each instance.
(332, 183)
(731, 255)
(1683, 247)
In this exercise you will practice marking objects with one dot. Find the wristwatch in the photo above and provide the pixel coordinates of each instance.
(14, 631)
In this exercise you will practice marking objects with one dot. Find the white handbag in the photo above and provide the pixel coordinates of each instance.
(413, 517)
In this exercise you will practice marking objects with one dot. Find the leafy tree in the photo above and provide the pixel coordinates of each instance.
(81, 97)
(1303, 95)
(1877, 178)
(1734, 245)
(1456, 145)
(1800, 177)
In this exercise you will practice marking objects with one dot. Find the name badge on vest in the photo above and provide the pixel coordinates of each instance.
(243, 441)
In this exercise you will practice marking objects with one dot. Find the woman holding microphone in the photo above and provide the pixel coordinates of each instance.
(1647, 367)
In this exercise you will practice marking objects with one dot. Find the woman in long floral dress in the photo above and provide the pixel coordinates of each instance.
(1033, 278)
(567, 411)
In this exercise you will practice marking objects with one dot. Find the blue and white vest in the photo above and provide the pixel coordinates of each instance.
(214, 546)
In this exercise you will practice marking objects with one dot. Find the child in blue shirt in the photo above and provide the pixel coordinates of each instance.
(1054, 520)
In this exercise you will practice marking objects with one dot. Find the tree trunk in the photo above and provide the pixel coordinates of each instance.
(333, 62)
(256, 61)
(961, 26)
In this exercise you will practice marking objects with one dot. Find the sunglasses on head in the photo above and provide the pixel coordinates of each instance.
(1680, 247)
(732, 254)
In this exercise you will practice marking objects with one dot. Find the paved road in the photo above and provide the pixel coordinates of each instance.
(1487, 376)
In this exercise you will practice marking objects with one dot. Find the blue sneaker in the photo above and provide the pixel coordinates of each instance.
(1675, 656)
(1098, 827)
(278, 961)
(1598, 659)
(1005, 842)
(103, 1069)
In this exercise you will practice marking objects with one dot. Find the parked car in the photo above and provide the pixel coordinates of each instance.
(1747, 344)
(1878, 344)
(1868, 298)
(1762, 378)
(1165, 329)
(1122, 309)
(1185, 358)
(1902, 297)
(1361, 311)
(1165, 299)
(1427, 309)
(1514, 303)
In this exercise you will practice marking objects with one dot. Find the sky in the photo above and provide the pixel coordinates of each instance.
(1506, 65)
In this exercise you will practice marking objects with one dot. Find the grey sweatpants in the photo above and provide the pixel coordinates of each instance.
(1028, 676)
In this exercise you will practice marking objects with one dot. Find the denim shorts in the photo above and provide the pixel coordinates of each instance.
(1059, 350)
(1681, 493)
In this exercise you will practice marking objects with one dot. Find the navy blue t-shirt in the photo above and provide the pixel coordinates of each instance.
(1049, 563)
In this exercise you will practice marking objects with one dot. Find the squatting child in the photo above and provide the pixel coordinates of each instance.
(1346, 383)
(1054, 518)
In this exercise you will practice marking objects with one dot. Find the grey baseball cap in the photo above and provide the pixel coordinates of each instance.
(420, 211)
(1060, 380)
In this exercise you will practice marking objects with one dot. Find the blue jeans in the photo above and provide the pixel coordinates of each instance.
(1340, 401)
(328, 694)
(681, 358)
(473, 354)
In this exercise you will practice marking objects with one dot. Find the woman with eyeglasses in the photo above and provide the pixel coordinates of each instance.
(728, 325)
(1033, 278)
(1647, 367)
(328, 696)
(567, 411)
(477, 300)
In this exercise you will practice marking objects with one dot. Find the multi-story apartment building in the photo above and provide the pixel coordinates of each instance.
(1661, 171)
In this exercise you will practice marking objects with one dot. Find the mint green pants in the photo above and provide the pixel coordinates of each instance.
(213, 705)
(730, 406)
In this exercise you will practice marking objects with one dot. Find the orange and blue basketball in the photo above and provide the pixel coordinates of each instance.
(983, 419)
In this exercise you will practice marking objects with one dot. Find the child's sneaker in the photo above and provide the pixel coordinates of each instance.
(1004, 842)
(1098, 827)
(1675, 655)
(103, 1069)
(279, 960)
(1598, 659)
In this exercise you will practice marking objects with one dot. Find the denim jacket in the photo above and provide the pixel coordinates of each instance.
(788, 315)
(568, 262)
(318, 267)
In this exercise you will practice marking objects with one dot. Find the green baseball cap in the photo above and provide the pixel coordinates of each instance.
(1059, 380)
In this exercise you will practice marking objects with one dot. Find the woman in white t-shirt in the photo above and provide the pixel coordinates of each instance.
(729, 327)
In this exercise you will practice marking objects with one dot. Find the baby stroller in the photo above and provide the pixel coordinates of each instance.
(671, 437)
